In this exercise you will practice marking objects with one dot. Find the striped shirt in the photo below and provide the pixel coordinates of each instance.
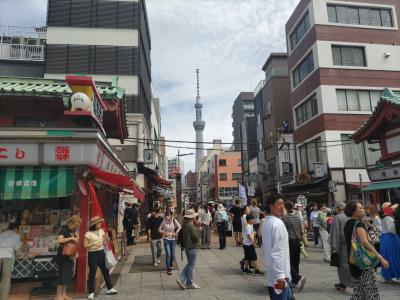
(293, 225)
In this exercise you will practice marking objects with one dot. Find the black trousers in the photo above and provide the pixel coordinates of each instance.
(316, 235)
(129, 237)
(97, 259)
(294, 252)
(222, 234)
(256, 228)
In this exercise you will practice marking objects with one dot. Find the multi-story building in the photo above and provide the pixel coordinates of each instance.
(173, 167)
(243, 107)
(224, 171)
(274, 118)
(203, 183)
(22, 51)
(110, 40)
(244, 128)
(103, 38)
(342, 54)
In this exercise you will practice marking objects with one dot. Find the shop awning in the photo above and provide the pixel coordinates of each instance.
(118, 181)
(356, 185)
(375, 186)
(154, 177)
(36, 182)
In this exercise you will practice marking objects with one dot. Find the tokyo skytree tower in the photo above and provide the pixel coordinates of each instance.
(199, 125)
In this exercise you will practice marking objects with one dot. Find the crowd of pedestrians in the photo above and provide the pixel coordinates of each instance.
(357, 240)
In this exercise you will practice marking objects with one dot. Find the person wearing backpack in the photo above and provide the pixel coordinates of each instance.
(362, 256)
(191, 243)
(221, 218)
(169, 228)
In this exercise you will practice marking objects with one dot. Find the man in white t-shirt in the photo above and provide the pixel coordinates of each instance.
(276, 250)
(250, 254)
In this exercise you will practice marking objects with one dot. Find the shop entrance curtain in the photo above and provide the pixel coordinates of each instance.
(36, 182)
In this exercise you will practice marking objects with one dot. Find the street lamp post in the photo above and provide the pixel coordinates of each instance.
(179, 185)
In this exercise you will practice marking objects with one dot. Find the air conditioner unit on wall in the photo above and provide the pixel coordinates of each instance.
(319, 169)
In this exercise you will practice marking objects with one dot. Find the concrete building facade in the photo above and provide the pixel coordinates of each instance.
(342, 54)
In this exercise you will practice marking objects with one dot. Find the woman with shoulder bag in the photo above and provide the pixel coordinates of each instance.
(169, 228)
(362, 256)
(94, 242)
(68, 244)
(222, 221)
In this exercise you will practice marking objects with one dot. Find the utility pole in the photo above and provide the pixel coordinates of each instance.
(179, 185)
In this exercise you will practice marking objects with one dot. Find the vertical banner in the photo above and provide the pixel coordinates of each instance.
(242, 194)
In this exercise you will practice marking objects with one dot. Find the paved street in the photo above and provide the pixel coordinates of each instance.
(219, 277)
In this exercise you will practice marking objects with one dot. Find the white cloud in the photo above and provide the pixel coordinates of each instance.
(229, 40)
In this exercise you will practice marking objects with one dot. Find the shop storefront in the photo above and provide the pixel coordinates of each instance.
(56, 163)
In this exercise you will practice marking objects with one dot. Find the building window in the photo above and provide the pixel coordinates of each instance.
(348, 56)
(300, 30)
(222, 163)
(236, 176)
(223, 177)
(306, 110)
(357, 100)
(303, 69)
(359, 155)
(310, 153)
(381, 17)
(228, 192)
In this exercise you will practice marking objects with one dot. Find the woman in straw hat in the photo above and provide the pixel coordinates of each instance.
(94, 242)
(390, 243)
(191, 242)
(66, 234)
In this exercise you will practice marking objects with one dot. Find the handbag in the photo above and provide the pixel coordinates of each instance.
(70, 249)
(111, 262)
(304, 239)
(335, 260)
(373, 234)
(359, 256)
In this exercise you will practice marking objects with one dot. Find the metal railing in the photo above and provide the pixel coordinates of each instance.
(21, 31)
(22, 52)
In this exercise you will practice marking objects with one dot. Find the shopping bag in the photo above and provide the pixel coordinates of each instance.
(359, 256)
(111, 262)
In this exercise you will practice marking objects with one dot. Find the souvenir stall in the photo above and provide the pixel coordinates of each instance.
(40, 199)
(50, 172)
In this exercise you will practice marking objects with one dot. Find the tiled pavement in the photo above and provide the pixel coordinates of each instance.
(218, 275)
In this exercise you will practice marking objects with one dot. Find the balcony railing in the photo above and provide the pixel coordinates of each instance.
(20, 31)
(22, 52)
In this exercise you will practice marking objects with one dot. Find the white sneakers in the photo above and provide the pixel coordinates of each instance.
(193, 286)
(182, 286)
(109, 292)
(155, 264)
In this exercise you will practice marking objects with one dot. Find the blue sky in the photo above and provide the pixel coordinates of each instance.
(228, 40)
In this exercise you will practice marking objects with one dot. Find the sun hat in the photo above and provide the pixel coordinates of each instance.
(190, 214)
(95, 220)
(73, 220)
(340, 205)
(221, 207)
